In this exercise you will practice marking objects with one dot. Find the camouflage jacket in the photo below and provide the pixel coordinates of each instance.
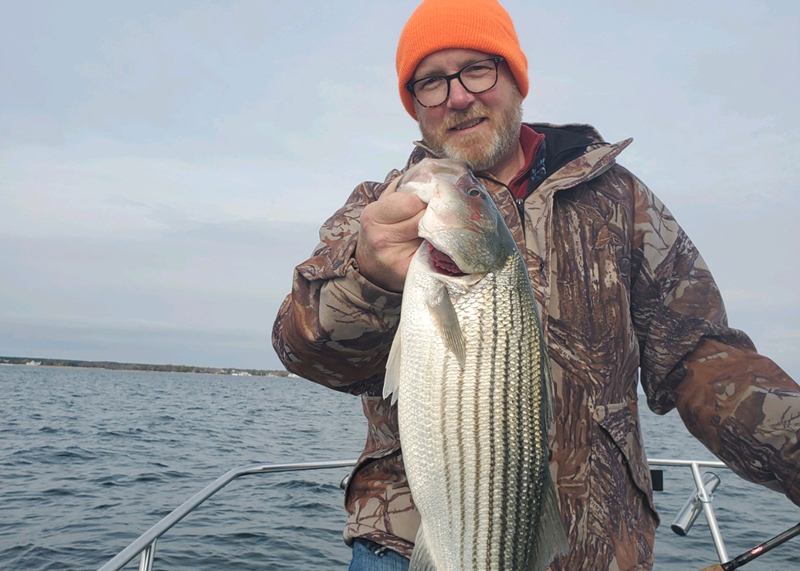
(624, 295)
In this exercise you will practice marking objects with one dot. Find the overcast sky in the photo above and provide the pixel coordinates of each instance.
(165, 165)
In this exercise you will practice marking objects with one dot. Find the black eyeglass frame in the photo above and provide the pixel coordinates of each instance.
(448, 78)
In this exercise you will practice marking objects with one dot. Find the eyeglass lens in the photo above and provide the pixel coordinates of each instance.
(476, 78)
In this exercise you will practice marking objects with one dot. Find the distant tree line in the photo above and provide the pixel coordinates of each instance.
(138, 366)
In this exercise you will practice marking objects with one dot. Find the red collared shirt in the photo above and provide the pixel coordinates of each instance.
(531, 141)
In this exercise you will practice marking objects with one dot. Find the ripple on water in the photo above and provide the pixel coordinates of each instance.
(58, 492)
(109, 480)
(76, 454)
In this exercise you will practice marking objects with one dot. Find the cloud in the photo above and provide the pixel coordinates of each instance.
(170, 163)
(199, 296)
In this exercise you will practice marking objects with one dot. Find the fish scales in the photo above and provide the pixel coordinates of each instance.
(466, 406)
(468, 367)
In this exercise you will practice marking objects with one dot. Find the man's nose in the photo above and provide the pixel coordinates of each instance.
(459, 96)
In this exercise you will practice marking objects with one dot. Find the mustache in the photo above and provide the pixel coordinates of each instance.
(460, 115)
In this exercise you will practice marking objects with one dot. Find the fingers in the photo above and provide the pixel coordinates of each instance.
(389, 237)
(395, 208)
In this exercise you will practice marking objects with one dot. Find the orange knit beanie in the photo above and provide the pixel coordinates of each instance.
(435, 25)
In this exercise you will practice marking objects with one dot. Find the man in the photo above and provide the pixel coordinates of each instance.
(622, 291)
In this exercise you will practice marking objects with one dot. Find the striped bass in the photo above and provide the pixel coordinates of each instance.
(469, 371)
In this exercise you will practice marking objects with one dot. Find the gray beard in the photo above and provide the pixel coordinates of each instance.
(503, 142)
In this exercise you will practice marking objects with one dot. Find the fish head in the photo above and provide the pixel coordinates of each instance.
(465, 232)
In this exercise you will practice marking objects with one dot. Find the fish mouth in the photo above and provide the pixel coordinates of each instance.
(442, 263)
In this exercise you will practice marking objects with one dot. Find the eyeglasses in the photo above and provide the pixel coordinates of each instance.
(476, 78)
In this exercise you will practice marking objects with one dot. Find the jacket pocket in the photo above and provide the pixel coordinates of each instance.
(365, 461)
(622, 516)
(620, 422)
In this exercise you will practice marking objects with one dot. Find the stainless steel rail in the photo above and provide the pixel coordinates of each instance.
(705, 499)
(145, 544)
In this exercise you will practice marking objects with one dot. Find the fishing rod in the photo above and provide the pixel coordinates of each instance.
(757, 551)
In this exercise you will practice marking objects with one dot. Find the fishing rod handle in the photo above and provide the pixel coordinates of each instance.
(757, 551)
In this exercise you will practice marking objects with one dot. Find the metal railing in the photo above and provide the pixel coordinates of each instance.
(145, 544)
(703, 496)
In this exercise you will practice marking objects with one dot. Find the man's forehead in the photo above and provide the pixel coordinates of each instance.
(448, 61)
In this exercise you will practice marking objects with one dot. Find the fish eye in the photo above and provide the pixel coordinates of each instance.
(475, 192)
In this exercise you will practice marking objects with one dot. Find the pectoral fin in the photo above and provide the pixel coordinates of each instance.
(446, 320)
(391, 381)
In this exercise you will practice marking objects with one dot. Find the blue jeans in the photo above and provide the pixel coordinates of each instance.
(369, 556)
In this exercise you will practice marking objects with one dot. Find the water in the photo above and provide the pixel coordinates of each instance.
(90, 459)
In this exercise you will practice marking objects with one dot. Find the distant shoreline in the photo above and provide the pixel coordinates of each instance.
(115, 366)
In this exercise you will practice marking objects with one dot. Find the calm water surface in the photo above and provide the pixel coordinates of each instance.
(90, 459)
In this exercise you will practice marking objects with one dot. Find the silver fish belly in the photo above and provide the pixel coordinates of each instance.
(470, 371)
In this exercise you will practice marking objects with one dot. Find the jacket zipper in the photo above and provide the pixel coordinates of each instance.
(520, 202)
(538, 175)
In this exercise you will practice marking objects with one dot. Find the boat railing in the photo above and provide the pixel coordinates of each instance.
(700, 500)
(145, 544)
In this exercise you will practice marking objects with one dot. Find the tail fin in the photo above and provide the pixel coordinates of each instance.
(551, 539)
(421, 558)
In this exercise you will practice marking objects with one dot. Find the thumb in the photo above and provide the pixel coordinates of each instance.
(392, 188)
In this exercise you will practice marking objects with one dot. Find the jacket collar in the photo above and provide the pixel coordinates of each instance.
(577, 153)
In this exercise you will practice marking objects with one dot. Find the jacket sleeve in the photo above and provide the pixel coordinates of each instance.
(336, 327)
(738, 403)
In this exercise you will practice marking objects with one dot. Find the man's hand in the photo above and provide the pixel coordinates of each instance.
(388, 237)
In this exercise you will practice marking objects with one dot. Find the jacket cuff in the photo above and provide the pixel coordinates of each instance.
(353, 308)
(365, 295)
